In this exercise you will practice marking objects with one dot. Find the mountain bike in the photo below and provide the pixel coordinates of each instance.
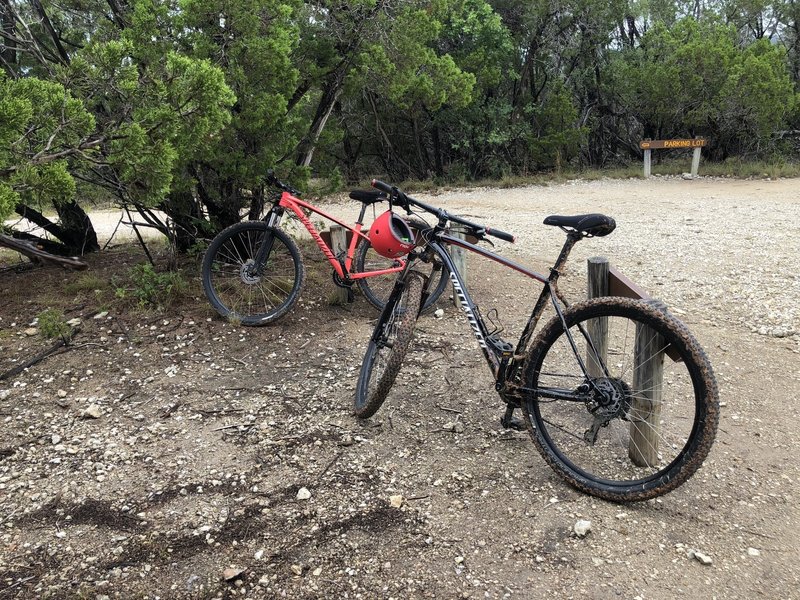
(253, 271)
(618, 396)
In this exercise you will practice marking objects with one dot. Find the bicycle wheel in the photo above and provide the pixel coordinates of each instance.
(240, 290)
(388, 346)
(377, 289)
(639, 427)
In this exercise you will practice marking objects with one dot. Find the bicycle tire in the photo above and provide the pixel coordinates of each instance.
(252, 299)
(658, 429)
(387, 347)
(377, 289)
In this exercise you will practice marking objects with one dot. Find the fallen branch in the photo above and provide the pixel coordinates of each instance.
(62, 345)
(37, 255)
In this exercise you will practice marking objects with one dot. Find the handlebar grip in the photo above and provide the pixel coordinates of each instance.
(500, 234)
(384, 187)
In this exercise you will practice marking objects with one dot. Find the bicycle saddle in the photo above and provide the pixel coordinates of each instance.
(593, 224)
(368, 196)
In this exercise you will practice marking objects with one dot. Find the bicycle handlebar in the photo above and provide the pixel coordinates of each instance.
(405, 200)
(279, 184)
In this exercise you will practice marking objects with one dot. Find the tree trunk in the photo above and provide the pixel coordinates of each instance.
(54, 36)
(256, 203)
(330, 94)
(74, 231)
(78, 233)
(34, 251)
(185, 211)
(437, 152)
(422, 152)
(119, 9)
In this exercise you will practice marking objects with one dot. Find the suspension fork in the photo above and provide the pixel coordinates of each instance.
(272, 219)
(399, 286)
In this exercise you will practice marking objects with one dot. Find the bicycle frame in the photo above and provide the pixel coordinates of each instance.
(342, 268)
(504, 360)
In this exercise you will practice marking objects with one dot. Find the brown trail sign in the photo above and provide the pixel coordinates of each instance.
(695, 144)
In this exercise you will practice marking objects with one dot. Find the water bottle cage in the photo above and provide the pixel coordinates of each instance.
(504, 351)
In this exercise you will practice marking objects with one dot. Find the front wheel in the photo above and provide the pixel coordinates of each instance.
(644, 418)
(252, 273)
(388, 346)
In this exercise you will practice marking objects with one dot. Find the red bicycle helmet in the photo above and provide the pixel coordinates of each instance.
(391, 236)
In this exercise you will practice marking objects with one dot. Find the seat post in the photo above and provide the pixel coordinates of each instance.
(360, 219)
(572, 238)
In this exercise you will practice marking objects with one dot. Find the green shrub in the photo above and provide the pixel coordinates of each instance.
(152, 289)
(53, 324)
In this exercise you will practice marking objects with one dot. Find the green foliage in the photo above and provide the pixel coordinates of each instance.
(151, 289)
(554, 138)
(41, 125)
(157, 114)
(52, 324)
(693, 79)
(183, 105)
(8, 199)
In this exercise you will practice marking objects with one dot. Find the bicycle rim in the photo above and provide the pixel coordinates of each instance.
(243, 291)
(387, 348)
(647, 420)
(377, 289)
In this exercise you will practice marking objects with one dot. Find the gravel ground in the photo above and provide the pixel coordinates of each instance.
(176, 455)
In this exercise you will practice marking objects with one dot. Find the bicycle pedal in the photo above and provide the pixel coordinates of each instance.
(514, 423)
(501, 347)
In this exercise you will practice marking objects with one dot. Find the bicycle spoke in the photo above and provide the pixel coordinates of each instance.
(639, 417)
(241, 291)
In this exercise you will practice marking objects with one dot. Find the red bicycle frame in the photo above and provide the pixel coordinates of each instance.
(343, 270)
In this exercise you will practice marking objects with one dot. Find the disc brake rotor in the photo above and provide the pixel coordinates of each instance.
(248, 274)
(611, 400)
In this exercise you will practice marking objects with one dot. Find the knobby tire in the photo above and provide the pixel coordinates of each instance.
(388, 347)
(252, 298)
(659, 429)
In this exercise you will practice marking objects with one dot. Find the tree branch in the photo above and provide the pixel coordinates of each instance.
(38, 255)
(62, 54)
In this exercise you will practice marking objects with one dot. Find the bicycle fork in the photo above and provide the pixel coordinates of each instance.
(272, 219)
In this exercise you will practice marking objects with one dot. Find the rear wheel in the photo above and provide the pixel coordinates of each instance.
(241, 290)
(388, 346)
(377, 289)
(643, 421)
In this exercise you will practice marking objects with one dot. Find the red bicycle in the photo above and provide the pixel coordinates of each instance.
(253, 271)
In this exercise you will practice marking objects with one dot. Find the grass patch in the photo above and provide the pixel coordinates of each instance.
(149, 288)
(87, 283)
(52, 324)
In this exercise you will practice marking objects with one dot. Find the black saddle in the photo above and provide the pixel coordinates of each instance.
(594, 224)
(368, 196)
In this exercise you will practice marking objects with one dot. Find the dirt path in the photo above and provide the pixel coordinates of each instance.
(206, 432)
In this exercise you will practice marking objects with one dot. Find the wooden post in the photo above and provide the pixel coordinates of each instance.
(459, 256)
(648, 362)
(339, 246)
(647, 154)
(597, 286)
(695, 161)
(645, 412)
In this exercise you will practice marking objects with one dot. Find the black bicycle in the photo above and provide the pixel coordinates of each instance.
(617, 395)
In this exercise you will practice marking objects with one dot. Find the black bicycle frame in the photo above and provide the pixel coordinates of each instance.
(505, 364)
